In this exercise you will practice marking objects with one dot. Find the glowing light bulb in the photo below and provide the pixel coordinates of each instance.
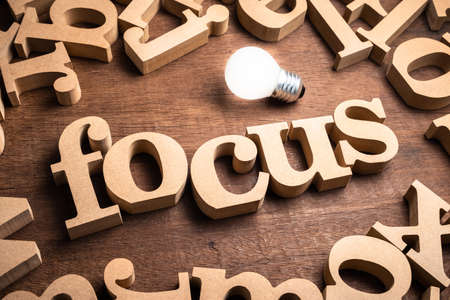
(251, 73)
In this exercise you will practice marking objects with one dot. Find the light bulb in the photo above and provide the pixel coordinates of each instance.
(251, 73)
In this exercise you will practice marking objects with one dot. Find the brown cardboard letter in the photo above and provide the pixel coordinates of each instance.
(324, 170)
(212, 198)
(75, 169)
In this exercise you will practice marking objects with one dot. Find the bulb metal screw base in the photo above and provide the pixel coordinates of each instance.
(289, 87)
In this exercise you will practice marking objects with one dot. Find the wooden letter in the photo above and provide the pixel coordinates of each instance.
(84, 42)
(6, 41)
(373, 256)
(45, 70)
(358, 130)
(432, 293)
(370, 11)
(70, 287)
(324, 171)
(440, 130)
(120, 183)
(15, 213)
(438, 13)
(251, 286)
(172, 45)
(119, 277)
(261, 19)
(391, 27)
(177, 7)
(138, 13)
(17, 258)
(212, 198)
(426, 232)
(414, 54)
(75, 169)
(446, 38)
(6, 54)
(338, 34)
(18, 7)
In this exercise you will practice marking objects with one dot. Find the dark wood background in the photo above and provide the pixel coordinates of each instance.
(188, 100)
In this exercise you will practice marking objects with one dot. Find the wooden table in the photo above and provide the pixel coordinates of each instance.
(189, 101)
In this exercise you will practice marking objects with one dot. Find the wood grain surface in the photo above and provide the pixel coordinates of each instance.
(188, 100)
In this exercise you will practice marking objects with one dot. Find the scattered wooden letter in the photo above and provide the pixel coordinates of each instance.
(48, 69)
(6, 41)
(432, 293)
(438, 13)
(70, 287)
(446, 38)
(138, 13)
(75, 169)
(119, 181)
(251, 286)
(177, 7)
(6, 54)
(390, 27)
(15, 213)
(261, 19)
(17, 258)
(119, 277)
(172, 45)
(324, 170)
(426, 232)
(212, 198)
(414, 54)
(18, 7)
(358, 131)
(440, 130)
(84, 42)
(373, 256)
(338, 34)
(371, 11)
